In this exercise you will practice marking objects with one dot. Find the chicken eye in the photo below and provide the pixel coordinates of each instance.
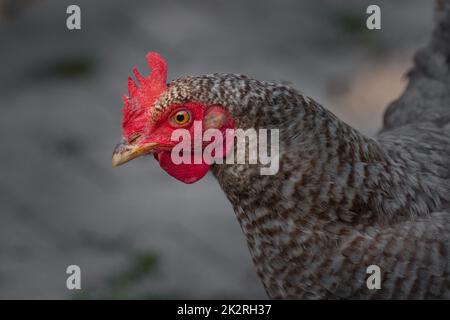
(181, 117)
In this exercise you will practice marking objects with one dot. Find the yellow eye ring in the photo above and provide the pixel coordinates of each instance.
(180, 117)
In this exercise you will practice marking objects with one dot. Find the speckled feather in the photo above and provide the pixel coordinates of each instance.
(341, 201)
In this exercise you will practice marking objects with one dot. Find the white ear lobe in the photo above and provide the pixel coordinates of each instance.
(215, 118)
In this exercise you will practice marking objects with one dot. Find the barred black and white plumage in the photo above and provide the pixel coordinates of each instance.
(342, 201)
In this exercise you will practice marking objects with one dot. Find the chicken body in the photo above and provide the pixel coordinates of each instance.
(342, 202)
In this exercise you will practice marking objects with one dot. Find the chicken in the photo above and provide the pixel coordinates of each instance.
(341, 201)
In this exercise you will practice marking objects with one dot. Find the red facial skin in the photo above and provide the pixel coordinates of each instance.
(162, 132)
(139, 129)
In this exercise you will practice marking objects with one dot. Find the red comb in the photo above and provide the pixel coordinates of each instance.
(141, 98)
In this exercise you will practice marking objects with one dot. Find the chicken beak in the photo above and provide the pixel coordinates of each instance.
(124, 152)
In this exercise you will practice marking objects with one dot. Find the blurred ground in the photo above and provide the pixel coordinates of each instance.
(135, 232)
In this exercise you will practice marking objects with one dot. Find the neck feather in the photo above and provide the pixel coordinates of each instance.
(328, 171)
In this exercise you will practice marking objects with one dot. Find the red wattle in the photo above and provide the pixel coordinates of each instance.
(187, 173)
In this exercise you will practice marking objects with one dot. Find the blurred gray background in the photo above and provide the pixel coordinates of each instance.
(134, 231)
